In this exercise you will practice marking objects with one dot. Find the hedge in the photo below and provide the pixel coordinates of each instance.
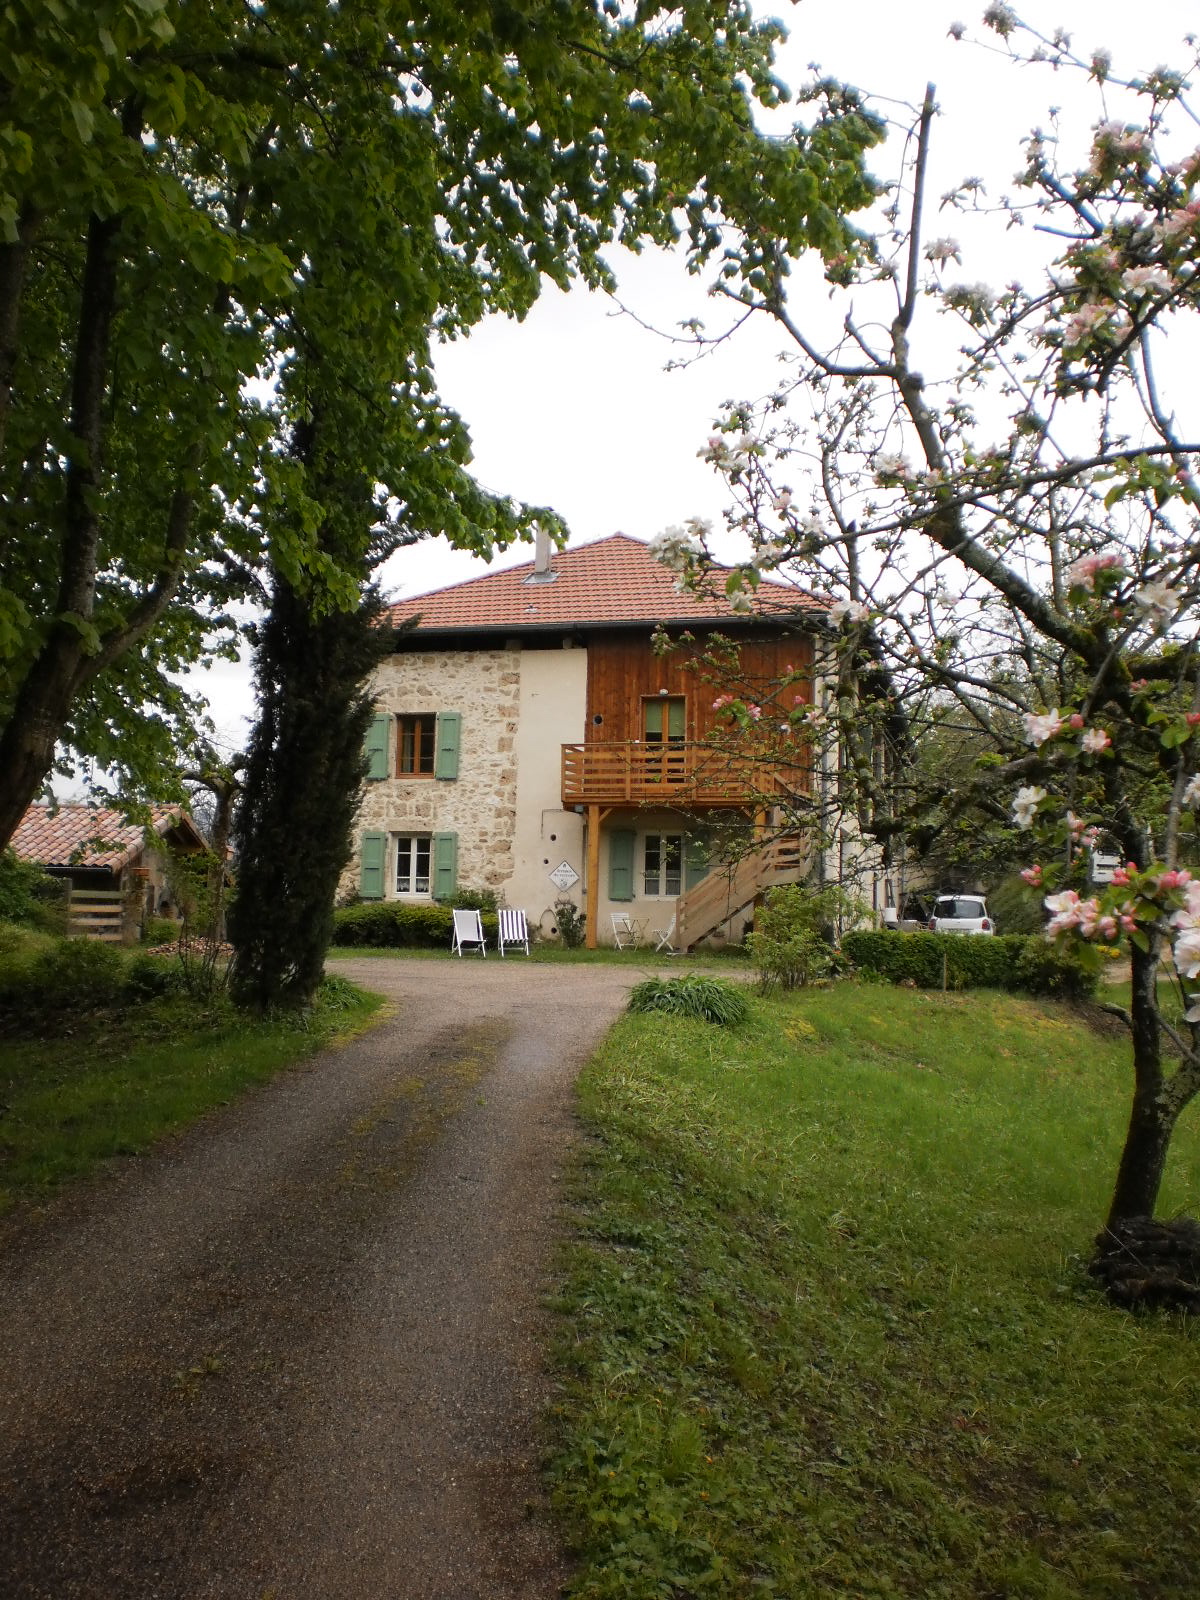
(403, 925)
(962, 961)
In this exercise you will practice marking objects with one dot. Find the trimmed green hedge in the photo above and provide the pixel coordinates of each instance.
(402, 925)
(1013, 961)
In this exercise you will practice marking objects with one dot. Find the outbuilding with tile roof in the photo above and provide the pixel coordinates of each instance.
(117, 872)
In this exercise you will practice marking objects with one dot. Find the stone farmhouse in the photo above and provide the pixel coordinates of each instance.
(531, 738)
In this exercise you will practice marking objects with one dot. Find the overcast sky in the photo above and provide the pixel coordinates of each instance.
(574, 408)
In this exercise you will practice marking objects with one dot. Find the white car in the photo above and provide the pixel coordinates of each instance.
(960, 913)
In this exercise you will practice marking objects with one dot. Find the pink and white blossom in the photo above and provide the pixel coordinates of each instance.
(1040, 726)
(1191, 795)
(1081, 574)
(1025, 804)
(850, 611)
(1033, 875)
(1158, 600)
(1147, 280)
(1094, 740)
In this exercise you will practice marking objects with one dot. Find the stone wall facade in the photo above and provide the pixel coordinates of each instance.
(508, 769)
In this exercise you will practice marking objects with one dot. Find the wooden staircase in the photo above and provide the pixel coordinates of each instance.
(730, 889)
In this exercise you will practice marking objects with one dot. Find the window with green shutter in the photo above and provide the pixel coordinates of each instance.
(372, 859)
(449, 729)
(377, 747)
(445, 865)
(621, 845)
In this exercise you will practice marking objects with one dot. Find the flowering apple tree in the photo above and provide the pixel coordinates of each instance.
(993, 487)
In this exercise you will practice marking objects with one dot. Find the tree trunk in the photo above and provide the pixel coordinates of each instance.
(14, 259)
(1152, 1118)
(28, 738)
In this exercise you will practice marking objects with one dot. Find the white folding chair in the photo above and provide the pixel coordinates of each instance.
(666, 938)
(624, 932)
(468, 929)
(513, 928)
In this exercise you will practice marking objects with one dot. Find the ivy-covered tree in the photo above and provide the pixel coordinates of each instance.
(180, 185)
(1007, 521)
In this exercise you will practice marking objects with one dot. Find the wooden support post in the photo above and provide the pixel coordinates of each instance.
(593, 877)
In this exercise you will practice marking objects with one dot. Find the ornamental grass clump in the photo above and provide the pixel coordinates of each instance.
(705, 999)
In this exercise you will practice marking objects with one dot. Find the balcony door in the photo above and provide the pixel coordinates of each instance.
(664, 730)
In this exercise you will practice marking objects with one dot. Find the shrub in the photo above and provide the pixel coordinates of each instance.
(706, 999)
(1016, 907)
(792, 942)
(570, 922)
(147, 976)
(1011, 961)
(402, 925)
(1043, 968)
(30, 896)
(162, 930)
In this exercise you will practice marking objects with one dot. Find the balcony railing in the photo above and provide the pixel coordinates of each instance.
(635, 773)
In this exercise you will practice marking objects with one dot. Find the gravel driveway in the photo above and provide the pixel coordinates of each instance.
(295, 1354)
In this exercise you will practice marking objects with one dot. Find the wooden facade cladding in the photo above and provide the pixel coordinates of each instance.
(619, 765)
(624, 671)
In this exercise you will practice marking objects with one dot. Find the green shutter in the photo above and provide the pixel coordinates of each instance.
(373, 858)
(377, 747)
(449, 726)
(695, 859)
(445, 865)
(621, 844)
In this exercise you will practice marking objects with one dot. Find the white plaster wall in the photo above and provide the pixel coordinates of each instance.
(517, 707)
(553, 709)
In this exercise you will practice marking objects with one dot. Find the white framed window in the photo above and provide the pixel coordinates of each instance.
(662, 865)
(414, 855)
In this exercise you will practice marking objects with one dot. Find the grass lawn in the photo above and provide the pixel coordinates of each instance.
(824, 1328)
(123, 1078)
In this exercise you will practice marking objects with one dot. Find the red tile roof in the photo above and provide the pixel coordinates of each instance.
(63, 836)
(612, 581)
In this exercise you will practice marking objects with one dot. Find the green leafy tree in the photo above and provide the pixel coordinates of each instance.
(196, 197)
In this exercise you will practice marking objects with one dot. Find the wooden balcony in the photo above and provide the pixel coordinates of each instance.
(672, 775)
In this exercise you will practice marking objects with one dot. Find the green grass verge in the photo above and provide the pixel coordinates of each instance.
(123, 1079)
(825, 1328)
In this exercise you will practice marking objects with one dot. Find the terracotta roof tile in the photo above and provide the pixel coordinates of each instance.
(61, 836)
(612, 581)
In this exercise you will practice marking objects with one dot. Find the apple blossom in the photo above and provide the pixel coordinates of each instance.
(1095, 740)
(1146, 280)
(1032, 875)
(848, 611)
(1043, 726)
(1081, 574)
(1025, 804)
(1191, 795)
(1158, 600)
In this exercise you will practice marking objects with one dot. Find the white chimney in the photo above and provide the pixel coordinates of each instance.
(541, 552)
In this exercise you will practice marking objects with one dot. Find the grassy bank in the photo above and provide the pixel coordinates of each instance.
(120, 1079)
(825, 1329)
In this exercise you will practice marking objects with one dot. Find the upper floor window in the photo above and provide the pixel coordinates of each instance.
(664, 719)
(416, 746)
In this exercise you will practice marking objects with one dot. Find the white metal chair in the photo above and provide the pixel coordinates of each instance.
(513, 928)
(666, 937)
(468, 929)
(625, 934)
